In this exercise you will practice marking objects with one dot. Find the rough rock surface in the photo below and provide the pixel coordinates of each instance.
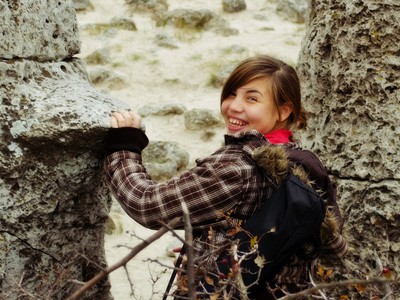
(22, 21)
(232, 6)
(163, 160)
(295, 10)
(350, 64)
(53, 201)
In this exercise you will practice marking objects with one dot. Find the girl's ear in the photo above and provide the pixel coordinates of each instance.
(284, 111)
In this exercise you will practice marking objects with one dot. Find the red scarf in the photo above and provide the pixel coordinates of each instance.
(279, 136)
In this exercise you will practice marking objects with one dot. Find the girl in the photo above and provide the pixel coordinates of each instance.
(261, 104)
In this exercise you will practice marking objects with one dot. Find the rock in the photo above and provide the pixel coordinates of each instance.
(293, 10)
(189, 18)
(232, 6)
(99, 57)
(113, 80)
(123, 24)
(166, 41)
(196, 119)
(40, 30)
(164, 110)
(112, 26)
(83, 5)
(164, 160)
(220, 73)
(53, 203)
(148, 5)
(53, 200)
(225, 30)
(114, 224)
(349, 77)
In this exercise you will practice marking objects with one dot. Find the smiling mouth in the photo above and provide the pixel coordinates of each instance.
(235, 124)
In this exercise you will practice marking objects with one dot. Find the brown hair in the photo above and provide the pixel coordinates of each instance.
(285, 84)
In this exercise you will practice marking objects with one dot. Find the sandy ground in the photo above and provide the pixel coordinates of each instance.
(156, 75)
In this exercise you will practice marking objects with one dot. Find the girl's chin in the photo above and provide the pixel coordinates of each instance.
(233, 131)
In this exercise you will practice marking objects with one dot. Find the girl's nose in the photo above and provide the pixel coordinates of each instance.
(237, 104)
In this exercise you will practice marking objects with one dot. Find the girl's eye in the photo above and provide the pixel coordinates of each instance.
(253, 99)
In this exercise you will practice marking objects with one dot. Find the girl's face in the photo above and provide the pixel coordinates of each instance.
(252, 107)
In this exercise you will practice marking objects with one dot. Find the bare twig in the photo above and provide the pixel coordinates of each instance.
(20, 288)
(123, 261)
(189, 251)
(170, 267)
(314, 285)
(129, 280)
(333, 285)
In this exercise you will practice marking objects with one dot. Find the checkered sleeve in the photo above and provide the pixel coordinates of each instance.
(208, 190)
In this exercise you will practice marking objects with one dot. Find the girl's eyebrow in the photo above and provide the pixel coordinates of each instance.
(253, 91)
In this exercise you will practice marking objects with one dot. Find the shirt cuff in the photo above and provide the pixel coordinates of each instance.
(125, 138)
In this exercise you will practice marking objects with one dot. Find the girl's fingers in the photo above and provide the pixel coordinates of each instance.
(114, 122)
(132, 114)
(125, 118)
(137, 120)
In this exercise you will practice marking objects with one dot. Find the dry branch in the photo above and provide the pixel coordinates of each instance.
(189, 251)
(125, 260)
(333, 285)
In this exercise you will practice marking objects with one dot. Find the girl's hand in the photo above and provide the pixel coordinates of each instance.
(125, 118)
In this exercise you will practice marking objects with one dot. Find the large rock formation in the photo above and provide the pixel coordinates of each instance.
(349, 64)
(52, 200)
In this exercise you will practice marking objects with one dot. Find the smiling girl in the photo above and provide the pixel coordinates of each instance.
(261, 105)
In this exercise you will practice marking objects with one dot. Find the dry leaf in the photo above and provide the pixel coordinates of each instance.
(214, 297)
(234, 231)
(253, 241)
(260, 261)
(323, 273)
(209, 280)
(360, 287)
(210, 234)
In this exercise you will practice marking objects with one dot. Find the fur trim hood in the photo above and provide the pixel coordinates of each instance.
(275, 160)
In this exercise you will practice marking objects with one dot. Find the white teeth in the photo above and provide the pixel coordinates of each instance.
(236, 122)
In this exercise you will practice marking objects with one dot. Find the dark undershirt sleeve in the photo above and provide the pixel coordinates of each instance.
(125, 138)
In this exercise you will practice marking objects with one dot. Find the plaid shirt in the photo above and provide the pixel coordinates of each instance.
(226, 183)
(228, 180)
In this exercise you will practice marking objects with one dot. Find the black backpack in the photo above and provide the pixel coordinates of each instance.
(291, 216)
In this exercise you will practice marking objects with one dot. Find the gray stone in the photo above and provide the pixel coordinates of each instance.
(232, 6)
(53, 202)
(198, 119)
(225, 30)
(99, 57)
(164, 160)
(164, 110)
(148, 5)
(83, 5)
(53, 199)
(111, 27)
(112, 80)
(349, 73)
(189, 18)
(293, 10)
(38, 30)
(166, 41)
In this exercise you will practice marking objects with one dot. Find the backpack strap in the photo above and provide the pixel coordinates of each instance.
(174, 272)
(317, 173)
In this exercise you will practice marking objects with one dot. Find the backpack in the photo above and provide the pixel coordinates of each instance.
(292, 215)
(289, 217)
